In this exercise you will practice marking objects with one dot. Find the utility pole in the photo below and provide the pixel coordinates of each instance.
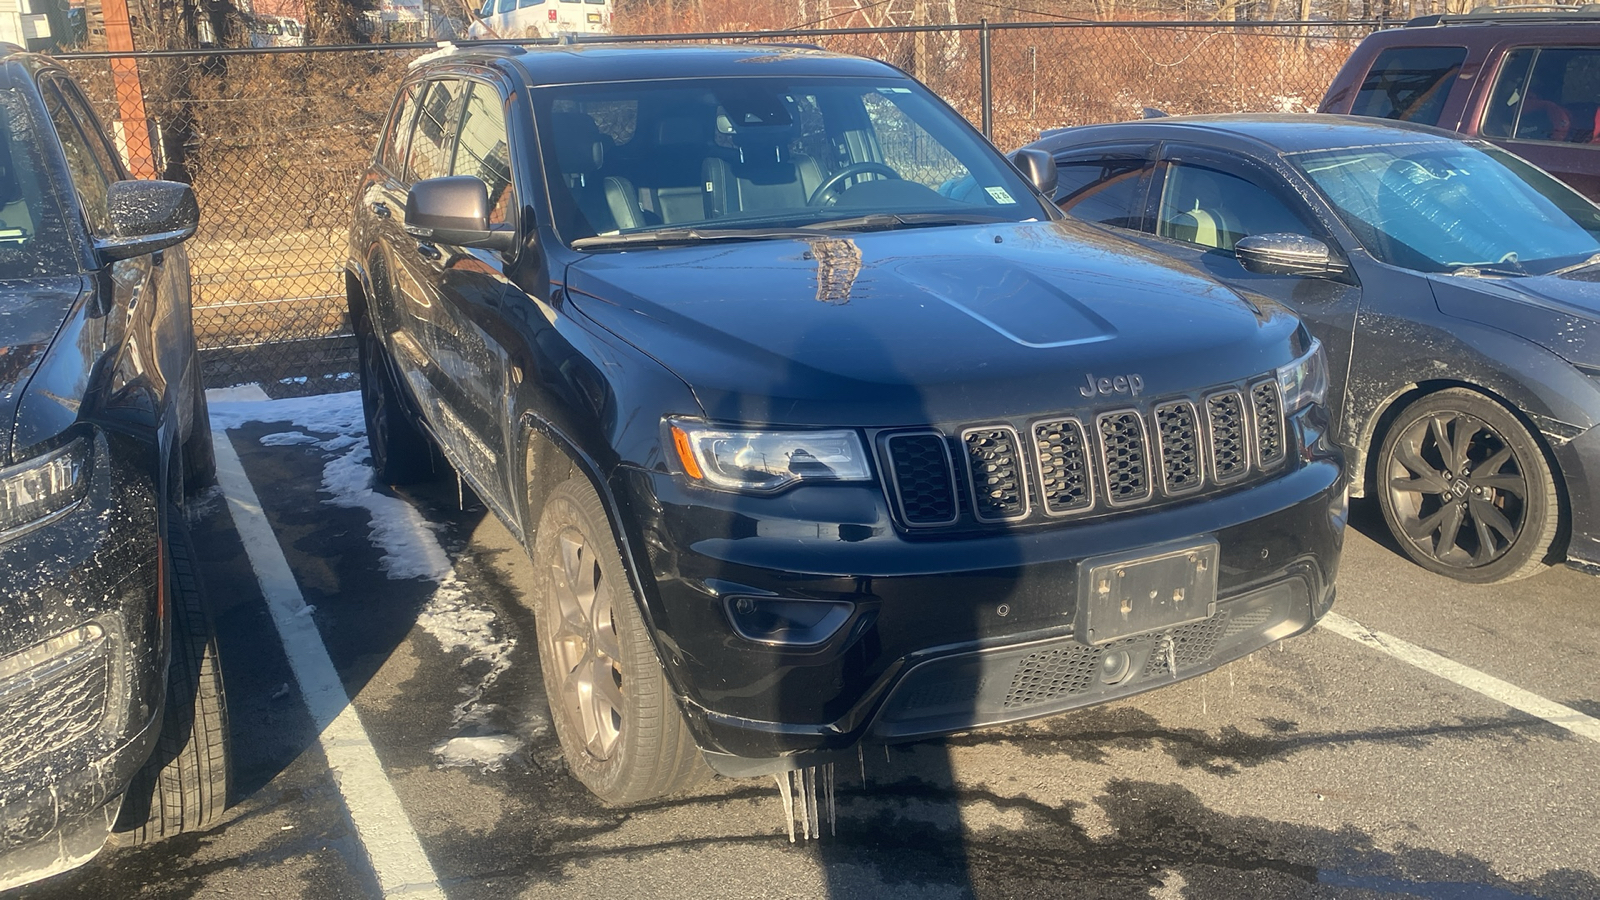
(132, 128)
(920, 17)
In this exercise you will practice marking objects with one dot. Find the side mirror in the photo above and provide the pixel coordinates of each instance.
(1288, 254)
(147, 216)
(1039, 167)
(455, 211)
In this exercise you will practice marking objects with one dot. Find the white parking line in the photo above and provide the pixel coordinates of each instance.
(392, 845)
(1468, 677)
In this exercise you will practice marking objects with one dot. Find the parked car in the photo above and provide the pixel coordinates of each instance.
(1526, 78)
(820, 424)
(1453, 284)
(111, 701)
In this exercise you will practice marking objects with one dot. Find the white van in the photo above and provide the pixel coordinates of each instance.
(540, 18)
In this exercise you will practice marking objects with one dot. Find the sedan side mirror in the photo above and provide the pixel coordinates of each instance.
(1288, 254)
(147, 216)
(1039, 167)
(455, 211)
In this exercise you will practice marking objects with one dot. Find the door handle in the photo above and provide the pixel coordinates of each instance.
(381, 210)
(428, 251)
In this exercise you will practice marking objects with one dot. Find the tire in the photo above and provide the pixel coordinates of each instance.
(619, 724)
(401, 452)
(1466, 490)
(184, 785)
(199, 456)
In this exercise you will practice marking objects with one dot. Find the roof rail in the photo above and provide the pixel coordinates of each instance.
(1520, 12)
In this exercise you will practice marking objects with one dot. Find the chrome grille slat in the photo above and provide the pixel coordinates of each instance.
(1178, 442)
(1066, 479)
(995, 469)
(1124, 456)
(1267, 404)
(1227, 432)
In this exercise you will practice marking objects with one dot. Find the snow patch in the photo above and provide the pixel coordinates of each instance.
(488, 752)
(410, 550)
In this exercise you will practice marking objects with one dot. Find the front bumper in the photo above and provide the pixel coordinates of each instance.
(1579, 463)
(951, 633)
(82, 672)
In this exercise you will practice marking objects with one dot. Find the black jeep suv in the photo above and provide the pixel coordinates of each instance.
(111, 703)
(819, 423)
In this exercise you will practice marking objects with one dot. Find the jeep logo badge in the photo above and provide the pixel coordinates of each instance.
(1133, 385)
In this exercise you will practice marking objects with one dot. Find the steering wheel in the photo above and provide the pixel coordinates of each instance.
(851, 171)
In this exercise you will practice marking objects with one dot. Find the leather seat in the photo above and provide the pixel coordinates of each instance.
(766, 174)
(609, 203)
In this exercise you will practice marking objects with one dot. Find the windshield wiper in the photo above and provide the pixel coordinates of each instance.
(688, 236)
(1591, 261)
(890, 221)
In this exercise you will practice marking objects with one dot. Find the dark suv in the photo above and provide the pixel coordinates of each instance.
(819, 423)
(111, 706)
(1526, 78)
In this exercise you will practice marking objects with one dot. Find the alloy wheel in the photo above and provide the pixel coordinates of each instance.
(1458, 489)
(586, 645)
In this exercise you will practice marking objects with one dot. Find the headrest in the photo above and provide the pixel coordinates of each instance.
(580, 148)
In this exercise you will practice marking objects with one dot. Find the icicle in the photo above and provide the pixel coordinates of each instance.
(1172, 655)
(861, 756)
(461, 495)
(812, 831)
(788, 802)
(833, 808)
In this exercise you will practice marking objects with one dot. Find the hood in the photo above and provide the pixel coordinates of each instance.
(31, 313)
(1560, 313)
(917, 326)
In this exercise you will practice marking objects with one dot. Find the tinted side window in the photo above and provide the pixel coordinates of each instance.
(1215, 209)
(90, 177)
(1551, 94)
(1409, 83)
(434, 135)
(392, 154)
(482, 150)
(1104, 189)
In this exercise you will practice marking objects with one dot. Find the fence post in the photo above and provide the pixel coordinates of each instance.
(986, 89)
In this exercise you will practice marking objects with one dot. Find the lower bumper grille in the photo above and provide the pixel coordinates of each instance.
(52, 694)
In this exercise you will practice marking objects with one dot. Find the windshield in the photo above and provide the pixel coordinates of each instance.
(1441, 207)
(33, 234)
(753, 157)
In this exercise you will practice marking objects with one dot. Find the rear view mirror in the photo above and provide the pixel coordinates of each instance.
(147, 216)
(1288, 254)
(455, 211)
(1039, 167)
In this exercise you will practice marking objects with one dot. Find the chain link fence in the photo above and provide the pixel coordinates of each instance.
(274, 143)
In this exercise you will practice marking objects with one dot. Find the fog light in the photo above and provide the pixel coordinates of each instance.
(793, 623)
(1115, 665)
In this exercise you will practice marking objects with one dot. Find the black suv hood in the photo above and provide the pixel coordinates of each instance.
(926, 325)
(31, 313)
(1560, 313)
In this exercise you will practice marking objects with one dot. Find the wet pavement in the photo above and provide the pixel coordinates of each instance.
(1318, 768)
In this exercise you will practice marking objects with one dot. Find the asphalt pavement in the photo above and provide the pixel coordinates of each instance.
(1419, 750)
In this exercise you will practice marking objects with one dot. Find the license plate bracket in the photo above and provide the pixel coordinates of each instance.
(1150, 589)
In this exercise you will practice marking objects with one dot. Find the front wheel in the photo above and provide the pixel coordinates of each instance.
(401, 452)
(619, 724)
(1466, 490)
(183, 787)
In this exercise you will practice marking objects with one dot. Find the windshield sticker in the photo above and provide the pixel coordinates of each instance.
(1000, 195)
(894, 90)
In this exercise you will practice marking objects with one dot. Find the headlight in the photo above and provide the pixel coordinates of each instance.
(1304, 381)
(47, 484)
(739, 459)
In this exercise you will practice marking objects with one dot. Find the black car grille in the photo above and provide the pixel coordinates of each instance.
(995, 470)
(1115, 459)
(923, 480)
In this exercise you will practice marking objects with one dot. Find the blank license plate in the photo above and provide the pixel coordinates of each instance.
(1151, 589)
(594, 18)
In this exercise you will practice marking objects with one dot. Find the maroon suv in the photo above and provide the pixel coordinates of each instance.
(1526, 80)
